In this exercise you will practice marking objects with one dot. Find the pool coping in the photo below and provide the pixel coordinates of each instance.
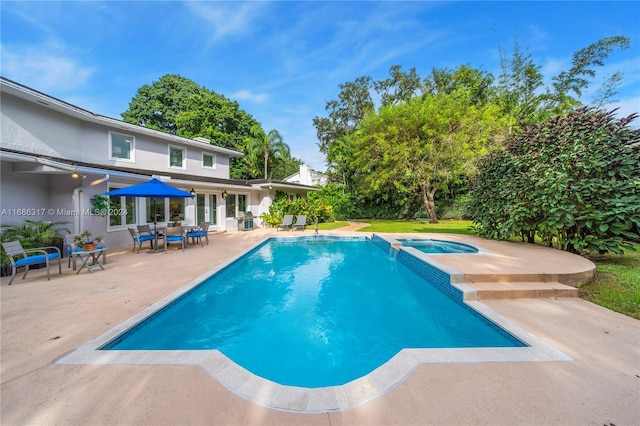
(315, 400)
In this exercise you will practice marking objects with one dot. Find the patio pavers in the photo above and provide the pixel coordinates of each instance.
(44, 320)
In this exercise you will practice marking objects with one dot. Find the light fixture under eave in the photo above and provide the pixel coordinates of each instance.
(75, 175)
(224, 194)
(192, 192)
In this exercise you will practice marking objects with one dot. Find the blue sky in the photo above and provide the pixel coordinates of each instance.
(283, 60)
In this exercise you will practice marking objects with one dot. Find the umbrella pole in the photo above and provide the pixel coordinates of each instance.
(155, 223)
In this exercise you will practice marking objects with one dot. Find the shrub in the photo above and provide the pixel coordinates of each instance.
(573, 181)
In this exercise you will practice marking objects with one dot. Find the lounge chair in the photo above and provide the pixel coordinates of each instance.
(301, 222)
(139, 239)
(287, 221)
(21, 257)
(199, 233)
(174, 235)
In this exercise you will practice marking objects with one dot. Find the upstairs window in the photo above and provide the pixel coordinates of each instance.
(121, 147)
(177, 157)
(208, 161)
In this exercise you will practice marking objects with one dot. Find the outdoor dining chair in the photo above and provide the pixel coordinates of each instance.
(201, 232)
(139, 239)
(174, 235)
(22, 257)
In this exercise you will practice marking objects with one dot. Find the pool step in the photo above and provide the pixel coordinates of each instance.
(523, 290)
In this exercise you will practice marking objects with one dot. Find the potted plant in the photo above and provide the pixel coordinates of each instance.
(87, 241)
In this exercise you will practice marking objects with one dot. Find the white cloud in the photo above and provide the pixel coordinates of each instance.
(44, 68)
(227, 19)
(248, 95)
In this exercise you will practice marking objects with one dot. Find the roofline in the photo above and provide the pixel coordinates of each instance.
(193, 180)
(29, 94)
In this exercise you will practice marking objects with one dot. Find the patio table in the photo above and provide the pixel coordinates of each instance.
(93, 256)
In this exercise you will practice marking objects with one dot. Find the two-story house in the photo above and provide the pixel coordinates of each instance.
(56, 157)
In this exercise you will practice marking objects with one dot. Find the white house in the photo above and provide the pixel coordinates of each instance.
(306, 176)
(56, 157)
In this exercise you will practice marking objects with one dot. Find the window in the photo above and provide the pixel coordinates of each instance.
(155, 207)
(177, 157)
(233, 201)
(126, 207)
(121, 147)
(231, 205)
(176, 209)
(208, 161)
(242, 203)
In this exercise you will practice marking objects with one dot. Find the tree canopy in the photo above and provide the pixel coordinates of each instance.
(518, 97)
(416, 146)
(179, 106)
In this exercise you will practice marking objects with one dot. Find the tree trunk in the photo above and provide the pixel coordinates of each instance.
(266, 164)
(427, 199)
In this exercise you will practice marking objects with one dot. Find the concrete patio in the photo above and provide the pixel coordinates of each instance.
(42, 321)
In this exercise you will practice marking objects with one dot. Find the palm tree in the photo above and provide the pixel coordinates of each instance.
(271, 145)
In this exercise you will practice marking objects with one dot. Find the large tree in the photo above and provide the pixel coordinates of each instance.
(177, 105)
(521, 91)
(157, 106)
(419, 145)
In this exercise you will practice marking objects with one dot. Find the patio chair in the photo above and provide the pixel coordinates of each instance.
(287, 221)
(71, 246)
(139, 239)
(21, 257)
(301, 222)
(146, 230)
(199, 233)
(174, 235)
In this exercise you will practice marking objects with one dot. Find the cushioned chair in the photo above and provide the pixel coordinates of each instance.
(71, 246)
(174, 235)
(139, 239)
(198, 234)
(301, 222)
(146, 230)
(286, 222)
(21, 257)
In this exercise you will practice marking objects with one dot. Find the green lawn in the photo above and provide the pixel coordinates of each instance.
(617, 285)
(444, 226)
(327, 226)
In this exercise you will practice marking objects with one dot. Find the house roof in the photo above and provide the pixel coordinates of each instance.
(83, 167)
(55, 104)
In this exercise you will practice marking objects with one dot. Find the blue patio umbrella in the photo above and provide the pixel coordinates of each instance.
(152, 189)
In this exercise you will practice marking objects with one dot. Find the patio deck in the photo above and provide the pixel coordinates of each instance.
(44, 320)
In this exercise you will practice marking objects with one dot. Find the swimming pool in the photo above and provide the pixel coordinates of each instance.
(438, 246)
(313, 312)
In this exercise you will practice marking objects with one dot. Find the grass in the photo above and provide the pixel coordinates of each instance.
(415, 226)
(616, 287)
(617, 284)
(327, 226)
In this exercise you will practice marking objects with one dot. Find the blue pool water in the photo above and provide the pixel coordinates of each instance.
(313, 312)
(438, 246)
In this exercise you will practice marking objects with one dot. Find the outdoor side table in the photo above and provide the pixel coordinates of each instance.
(90, 259)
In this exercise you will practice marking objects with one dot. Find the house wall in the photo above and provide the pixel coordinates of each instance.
(30, 192)
(30, 127)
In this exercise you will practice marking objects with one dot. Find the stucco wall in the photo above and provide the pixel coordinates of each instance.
(30, 127)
